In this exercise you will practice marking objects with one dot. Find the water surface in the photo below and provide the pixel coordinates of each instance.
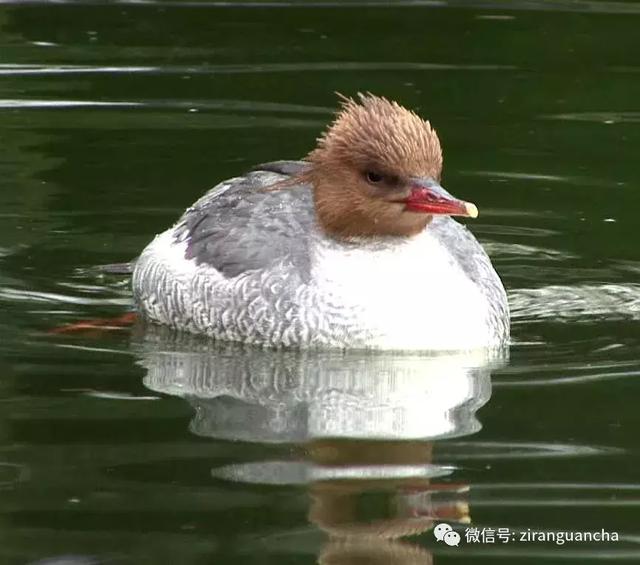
(141, 446)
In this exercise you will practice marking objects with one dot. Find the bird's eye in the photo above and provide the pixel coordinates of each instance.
(373, 177)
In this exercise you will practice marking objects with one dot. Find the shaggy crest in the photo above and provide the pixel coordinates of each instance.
(374, 131)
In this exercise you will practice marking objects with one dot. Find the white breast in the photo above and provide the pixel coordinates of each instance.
(410, 294)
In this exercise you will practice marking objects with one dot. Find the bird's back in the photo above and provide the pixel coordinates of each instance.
(249, 222)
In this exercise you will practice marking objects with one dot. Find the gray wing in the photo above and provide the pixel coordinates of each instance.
(240, 225)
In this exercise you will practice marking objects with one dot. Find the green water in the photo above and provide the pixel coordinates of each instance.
(142, 447)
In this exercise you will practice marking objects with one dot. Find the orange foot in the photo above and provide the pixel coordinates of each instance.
(101, 324)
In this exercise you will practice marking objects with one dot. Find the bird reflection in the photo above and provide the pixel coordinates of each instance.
(361, 425)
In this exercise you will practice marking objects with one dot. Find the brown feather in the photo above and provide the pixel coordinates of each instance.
(376, 134)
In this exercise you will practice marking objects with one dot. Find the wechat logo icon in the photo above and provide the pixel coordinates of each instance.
(444, 532)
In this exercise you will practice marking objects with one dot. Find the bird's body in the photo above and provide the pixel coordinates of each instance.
(249, 265)
(281, 257)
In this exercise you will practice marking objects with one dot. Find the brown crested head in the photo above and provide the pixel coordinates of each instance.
(376, 172)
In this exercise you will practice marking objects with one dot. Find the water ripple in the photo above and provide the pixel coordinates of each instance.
(578, 302)
(12, 473)
(256, 68)
(461, 450)
(598, 117)
(541, 177)
(525, 231)
(21, 295)
(542, 486)
(234, 105)
(588, 6)
(19, 103)
(508, 252)
(567, 380)
(512, 175)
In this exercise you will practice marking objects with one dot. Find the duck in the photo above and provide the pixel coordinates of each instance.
(352, 247)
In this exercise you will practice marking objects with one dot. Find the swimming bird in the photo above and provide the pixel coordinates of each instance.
(352, 247)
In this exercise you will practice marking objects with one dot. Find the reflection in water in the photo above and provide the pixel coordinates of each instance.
(364, 423)
(298, 396)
